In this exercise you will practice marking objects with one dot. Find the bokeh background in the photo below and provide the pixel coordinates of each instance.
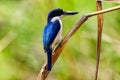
(21, 51)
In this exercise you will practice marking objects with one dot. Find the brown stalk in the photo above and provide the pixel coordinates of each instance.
(43, 73)
(99, 36)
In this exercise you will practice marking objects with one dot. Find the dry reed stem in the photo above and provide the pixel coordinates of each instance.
(99, 36)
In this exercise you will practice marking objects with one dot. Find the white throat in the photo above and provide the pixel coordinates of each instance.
(55, 18)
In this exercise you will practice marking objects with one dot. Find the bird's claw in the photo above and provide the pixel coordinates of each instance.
(60, 43)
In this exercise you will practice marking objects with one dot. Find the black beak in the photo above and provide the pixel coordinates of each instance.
(69, 13)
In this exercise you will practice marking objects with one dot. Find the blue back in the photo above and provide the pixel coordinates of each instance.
(50, 32)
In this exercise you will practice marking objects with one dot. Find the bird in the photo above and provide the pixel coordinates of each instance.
(52, 33)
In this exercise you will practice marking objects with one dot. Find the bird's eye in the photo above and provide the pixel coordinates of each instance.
(61, 12)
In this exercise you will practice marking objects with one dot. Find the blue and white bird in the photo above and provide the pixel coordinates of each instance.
(52, 33)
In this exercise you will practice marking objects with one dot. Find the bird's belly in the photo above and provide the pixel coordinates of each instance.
(57, 40)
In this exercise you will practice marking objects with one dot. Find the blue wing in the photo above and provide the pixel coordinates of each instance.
(50, 32)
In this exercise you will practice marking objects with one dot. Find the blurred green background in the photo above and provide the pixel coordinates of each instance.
(21, 51)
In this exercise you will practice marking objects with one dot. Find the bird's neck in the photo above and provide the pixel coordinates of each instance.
(54, 19)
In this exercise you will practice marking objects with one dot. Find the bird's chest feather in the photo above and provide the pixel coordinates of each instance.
(58, 38)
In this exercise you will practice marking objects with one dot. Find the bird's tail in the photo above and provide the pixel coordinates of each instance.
(49, 59)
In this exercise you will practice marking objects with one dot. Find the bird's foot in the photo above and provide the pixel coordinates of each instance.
(60, 43)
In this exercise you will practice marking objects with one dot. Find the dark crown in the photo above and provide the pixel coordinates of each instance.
(54, 13)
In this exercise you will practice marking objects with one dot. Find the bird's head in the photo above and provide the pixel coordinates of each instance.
(59, 13)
